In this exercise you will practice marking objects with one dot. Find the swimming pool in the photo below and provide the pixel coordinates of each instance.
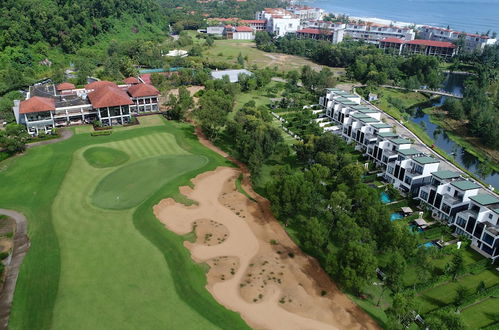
(385, 198)
(428, 244)
(396, 216)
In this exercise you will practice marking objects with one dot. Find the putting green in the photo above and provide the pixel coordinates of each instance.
(102, 157)
(130, 185)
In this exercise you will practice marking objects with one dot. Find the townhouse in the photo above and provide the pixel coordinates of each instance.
(449, 196)
(47, 106)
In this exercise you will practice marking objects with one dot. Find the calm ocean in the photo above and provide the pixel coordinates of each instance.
(466, 15)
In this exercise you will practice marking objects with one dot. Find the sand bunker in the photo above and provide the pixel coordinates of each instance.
(256, 269)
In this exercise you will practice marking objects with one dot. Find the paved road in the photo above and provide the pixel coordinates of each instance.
(21, 246)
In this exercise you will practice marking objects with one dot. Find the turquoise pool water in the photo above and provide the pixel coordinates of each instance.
(428, 244)
(395, 216)
(385, 199)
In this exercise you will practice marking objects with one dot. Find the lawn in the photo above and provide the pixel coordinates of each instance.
(482, 314)
(228, 51)
(394, 101)
(95, 268)
(444, 294)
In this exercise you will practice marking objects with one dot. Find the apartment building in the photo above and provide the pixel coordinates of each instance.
(255, 24)
(318, 34)
(368, 32)
(47, 106)
(471, 42)
(279, 21)
(398, 46)
(374, 33)
(306, 13)
(451, 197)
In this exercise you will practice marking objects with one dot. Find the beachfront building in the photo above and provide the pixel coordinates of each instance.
(398, 46)
(471, 42)
(368, 32)
(316, 34)
(279, 21)
(374, 33)
(47, 106)
(306, 13)
(451, 197)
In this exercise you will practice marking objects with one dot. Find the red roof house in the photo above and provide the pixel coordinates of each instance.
(98, 84)
(109, 96)
(142, 90)
(131, 81)
(37, 104)
(443, 44)
(65, 86)
(244, 29)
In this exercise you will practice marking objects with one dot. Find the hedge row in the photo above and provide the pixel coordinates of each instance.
(101, 133)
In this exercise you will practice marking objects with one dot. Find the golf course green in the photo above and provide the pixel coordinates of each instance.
(105, 157)
(101, 262)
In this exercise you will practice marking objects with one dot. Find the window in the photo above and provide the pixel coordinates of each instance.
(423, 195)
(488, 239)
(461, 222)
(448, 188)
(408, 180)
(390, 170)
(446, 208)
(490, 216)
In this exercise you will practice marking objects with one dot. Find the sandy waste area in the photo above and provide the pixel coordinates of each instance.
(255, 268)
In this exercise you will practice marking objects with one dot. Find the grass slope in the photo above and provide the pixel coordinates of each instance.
(105, 269)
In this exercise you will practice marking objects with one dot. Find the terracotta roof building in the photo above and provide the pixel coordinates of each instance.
(64, 86)
(425, 47)
(131, 81)
(98, 84)
(142, 90)
(37, 104)
(108, 96)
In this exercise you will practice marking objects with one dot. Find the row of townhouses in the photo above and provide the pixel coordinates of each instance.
(451, 197)
(48, 106)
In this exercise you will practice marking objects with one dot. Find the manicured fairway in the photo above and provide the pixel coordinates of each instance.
(96, 268)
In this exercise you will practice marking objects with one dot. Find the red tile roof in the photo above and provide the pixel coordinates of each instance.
(98, 84)
(37, 104)
(108, 96)
(65, 86)
(314, 31)
(244, 29)
(394, 40)
(253, 21)
(142, 90)
(443, 44)
(131, 81)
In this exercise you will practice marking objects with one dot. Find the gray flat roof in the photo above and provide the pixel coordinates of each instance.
(233, 74)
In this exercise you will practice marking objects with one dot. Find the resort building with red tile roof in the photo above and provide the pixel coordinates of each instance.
(48, 106)
(425, 47)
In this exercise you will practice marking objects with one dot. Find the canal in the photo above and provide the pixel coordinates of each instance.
(454, 84)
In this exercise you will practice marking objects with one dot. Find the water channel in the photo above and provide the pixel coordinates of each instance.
(454, 84)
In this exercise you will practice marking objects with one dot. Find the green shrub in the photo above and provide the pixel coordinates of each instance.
(101, 133)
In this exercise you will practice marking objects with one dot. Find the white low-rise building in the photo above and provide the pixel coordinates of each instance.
(472, 42)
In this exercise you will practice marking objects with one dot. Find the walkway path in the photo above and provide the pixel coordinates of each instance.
(427, 91)
(66, 133)
(21, 245)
